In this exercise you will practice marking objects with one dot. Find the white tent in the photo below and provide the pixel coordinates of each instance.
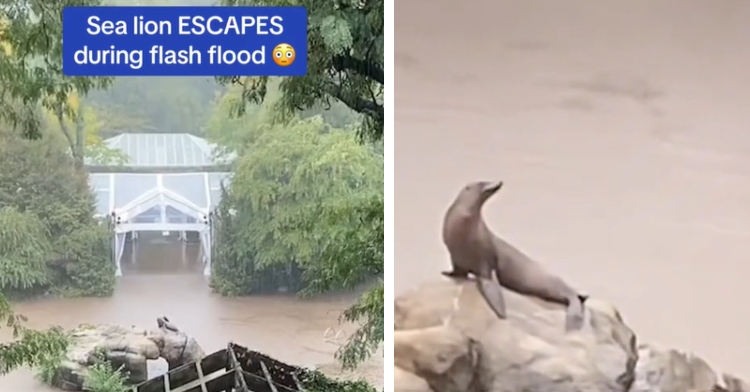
(158, 202)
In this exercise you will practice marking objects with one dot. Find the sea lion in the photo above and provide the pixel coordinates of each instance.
(475, 249)
(163, 323)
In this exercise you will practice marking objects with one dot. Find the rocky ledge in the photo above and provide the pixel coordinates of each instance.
(448, 340)
(129, 347)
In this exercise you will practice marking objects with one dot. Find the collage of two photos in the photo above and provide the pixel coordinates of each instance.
(571, 184)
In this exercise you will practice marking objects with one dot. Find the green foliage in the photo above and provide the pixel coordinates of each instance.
(48, 370)
(28, 347)
(345, 62)
(24, 250)
(368, 312)
(31, 62)
(93, 273)
(309, 198)
(335, 114)
(294, 174)
(315, 381)
(80, 131)
(100, 154)
(234, 133)
(103, 377)
(304, 194)
(352, 251)
(351, 237)
(31, 75)
(292, 171)
(40, 179)
(233, 271)
(155, 105)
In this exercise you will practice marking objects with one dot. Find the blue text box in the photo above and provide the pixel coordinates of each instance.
(184, 41)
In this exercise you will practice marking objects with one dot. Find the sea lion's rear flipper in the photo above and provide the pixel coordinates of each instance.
(493, 294)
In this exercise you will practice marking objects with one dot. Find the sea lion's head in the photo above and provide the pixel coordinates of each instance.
(476, 193)
(161, 321)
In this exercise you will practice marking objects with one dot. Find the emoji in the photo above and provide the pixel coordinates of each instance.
(283, 55)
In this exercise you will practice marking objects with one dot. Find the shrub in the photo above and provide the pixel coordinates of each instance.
(92, 272)
(24, 250)
(70, 251)
(315, 381)
(102, 377)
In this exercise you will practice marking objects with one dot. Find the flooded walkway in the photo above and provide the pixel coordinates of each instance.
(163, 280)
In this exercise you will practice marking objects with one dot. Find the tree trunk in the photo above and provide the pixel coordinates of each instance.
(75, 141)
(78, 155)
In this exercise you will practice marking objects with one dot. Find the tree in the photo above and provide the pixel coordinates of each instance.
(345, 64)
(294, 173)
(345, 61)
(80, 129)
(31, 79)
(38, 178)
(307, 194)
(31, 64)
(352, 251)
(229, 132)
(155, 105)
(233, 133)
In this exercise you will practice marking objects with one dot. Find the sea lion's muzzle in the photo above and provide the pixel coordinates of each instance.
(490, 188)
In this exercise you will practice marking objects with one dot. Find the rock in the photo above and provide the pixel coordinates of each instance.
(409, 382)
(666, 370)
(732, 384)
(440, 354)
(669, 370)
(447, 339)
(176, 347)
(464, 347)
(126, 347)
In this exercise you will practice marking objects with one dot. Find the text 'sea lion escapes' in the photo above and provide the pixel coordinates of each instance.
(189, 25)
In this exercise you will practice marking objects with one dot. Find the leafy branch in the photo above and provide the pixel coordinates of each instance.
(29, 347)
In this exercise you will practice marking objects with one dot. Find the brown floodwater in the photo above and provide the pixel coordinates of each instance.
(163, 276)
(622, 131)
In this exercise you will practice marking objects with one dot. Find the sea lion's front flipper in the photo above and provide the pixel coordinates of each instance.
(457, 273)
(574, 315)
(493, 294)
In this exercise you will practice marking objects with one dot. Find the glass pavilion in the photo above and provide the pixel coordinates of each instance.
(172, 182)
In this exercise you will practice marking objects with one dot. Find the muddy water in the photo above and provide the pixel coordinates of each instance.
(163, 277)
(622, 131)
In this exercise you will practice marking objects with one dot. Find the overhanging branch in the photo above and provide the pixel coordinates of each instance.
(361, 105)
(365, 68)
